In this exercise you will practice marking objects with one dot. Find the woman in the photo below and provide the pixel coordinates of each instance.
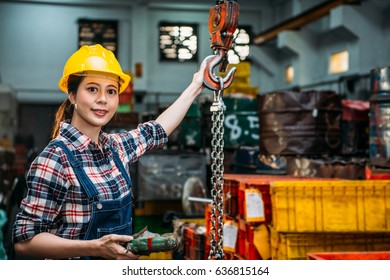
(79, 198)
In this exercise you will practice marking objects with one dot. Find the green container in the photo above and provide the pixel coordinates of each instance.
(155, 224)
(190, 129)
(124, 108)
(241, 122)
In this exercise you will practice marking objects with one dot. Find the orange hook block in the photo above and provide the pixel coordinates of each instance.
(222, 23)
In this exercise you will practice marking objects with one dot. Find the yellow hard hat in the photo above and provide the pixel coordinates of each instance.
(95, 59)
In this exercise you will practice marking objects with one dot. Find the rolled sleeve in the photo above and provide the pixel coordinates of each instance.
(147, 136)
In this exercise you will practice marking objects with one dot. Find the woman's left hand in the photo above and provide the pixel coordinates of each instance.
(198, 76)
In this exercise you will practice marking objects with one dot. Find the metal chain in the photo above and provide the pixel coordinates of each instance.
(217, 168)
(222, 23)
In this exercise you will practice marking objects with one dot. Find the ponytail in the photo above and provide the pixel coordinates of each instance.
(65, 111)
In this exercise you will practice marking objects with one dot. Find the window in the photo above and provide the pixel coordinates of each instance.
(339, 62)
(178, 42)
(240, 48)
(104, 32)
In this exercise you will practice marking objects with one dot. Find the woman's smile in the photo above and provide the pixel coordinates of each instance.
(100, 112)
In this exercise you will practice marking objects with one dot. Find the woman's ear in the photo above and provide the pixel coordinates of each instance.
(71, 98)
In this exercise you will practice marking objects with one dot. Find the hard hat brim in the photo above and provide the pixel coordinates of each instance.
(123, 79)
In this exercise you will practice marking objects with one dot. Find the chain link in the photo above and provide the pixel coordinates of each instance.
(217, 157)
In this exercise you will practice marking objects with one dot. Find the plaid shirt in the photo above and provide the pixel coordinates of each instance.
(55, 202)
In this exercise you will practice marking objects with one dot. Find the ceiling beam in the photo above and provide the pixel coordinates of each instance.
(298, 21)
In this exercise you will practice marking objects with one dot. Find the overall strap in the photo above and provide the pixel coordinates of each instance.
(120, 166)
(85, 183)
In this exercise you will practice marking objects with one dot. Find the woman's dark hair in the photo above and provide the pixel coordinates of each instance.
(65, 111)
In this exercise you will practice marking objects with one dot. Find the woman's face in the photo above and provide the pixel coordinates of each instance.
(96, 102)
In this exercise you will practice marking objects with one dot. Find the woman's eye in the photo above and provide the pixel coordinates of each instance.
(92, 89)
(112, 91)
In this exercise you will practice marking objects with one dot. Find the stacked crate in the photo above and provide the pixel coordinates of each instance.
(191, 237)
(329, 216)
(247, 200)
(194, 242)
(247, 205)
(304, 215)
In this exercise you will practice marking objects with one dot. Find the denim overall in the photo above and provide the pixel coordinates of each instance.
(108, 216)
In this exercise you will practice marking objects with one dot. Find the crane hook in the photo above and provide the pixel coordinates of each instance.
(212, 80)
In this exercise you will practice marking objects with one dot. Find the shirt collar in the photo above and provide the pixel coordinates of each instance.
(79, 140)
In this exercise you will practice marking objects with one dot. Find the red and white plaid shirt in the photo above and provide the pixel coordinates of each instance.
(55, 202)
